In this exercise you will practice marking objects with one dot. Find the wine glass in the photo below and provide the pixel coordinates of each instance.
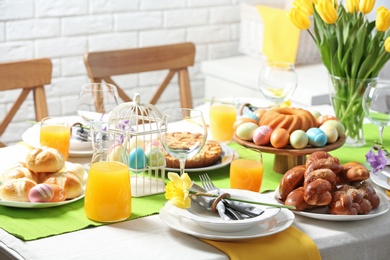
(278, 81)
(376, 105)
(183, 132)
(96, 101)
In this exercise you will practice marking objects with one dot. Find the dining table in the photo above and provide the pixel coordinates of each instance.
(146, 236)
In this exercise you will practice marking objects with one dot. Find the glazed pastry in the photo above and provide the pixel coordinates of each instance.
(291, 180)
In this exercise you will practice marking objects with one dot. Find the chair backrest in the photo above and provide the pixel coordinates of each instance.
(28, 75)
(101, 66)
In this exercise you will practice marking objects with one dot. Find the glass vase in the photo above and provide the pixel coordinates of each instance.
(346, 97)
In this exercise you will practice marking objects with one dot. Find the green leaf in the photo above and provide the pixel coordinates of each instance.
(367, 67)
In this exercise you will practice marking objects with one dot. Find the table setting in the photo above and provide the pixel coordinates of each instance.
(223, 194)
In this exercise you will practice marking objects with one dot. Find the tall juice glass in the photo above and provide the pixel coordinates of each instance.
(222, 117)
(246, 174)
(55, 134)
(108, 192)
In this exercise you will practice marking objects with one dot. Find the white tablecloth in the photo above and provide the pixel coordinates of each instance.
(150, 238)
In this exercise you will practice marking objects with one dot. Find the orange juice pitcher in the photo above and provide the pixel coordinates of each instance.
(108, 192)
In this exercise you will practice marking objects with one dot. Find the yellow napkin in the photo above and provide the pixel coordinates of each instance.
(281, 36)
(288, 244)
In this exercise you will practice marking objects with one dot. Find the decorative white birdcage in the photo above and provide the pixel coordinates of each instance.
(133, 130)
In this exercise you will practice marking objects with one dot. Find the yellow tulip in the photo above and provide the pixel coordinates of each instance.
(366, 6)
(387, 44)
(305, 5)
(327, 10)
(353, 6)
(382, 22)
(299, 18)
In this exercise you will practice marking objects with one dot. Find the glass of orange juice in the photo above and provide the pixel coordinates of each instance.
(55, 133)
(223, 114)
(247, 173)
(108, 192)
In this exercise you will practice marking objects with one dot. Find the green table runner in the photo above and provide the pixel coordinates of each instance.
(30, 224)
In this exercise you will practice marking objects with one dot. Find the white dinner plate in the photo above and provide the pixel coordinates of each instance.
(385, 171)
(283, 220)
(380, 179)
(77, 147)
(226, 157)
(321, 212)
(17, 204)
(213, 221)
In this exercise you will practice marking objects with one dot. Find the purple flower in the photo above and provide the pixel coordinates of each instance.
(377, 161)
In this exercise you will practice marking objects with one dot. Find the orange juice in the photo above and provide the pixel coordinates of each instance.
(246, 174)
(108, 192)
(222, 118)
(57, 137)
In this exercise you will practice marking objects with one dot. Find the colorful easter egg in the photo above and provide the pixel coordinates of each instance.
(137, 158)
(317, 138)
(135, 142)
(242, 120)
(322, 119)
(41, 193)
(154, 156)
(115, 153)
(279, 138)
(336, 124)
(59, 193)
(331, 133)
(298, 139)
(245, 131)
(262, 135)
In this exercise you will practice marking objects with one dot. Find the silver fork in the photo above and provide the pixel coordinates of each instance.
(209, 186)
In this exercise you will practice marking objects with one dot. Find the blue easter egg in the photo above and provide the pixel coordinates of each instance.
(137, 158)
(251, 115)
(317, 137)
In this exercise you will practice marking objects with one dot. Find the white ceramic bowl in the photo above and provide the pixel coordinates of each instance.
(212, 221)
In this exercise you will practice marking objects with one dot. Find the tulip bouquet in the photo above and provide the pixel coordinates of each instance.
(353, 49)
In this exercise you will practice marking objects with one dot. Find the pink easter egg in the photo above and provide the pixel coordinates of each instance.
(262, 135)
(41, 193)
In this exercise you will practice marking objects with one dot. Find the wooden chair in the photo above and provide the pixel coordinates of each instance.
(28, 75)
(176, 58)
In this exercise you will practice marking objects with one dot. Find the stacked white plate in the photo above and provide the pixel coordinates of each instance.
(199, 222)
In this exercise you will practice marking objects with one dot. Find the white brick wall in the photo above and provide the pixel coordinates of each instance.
(64, 30)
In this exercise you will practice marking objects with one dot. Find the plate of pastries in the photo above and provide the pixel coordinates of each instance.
(43, 180)
(213, 155)
(323, 188)
(288, 130)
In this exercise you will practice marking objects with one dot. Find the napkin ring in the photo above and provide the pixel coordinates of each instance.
(217, 200)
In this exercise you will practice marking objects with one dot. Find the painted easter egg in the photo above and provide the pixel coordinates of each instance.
(299, 139)
(59, 193)
(331, 133)
(41, 193)
(262, 135)
(242, 120)
(336, 124)
(322, 119)
(115, 153)
(154, 156)
(279, 138)
(317, 138)
(245, 131)
(137, 158)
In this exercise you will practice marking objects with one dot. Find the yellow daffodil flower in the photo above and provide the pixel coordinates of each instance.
(366, 6)
(387, 44)
(299, 18)
(327, 10)
(382, 22)
(177, 190)
(305, 5)
(353, 6)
